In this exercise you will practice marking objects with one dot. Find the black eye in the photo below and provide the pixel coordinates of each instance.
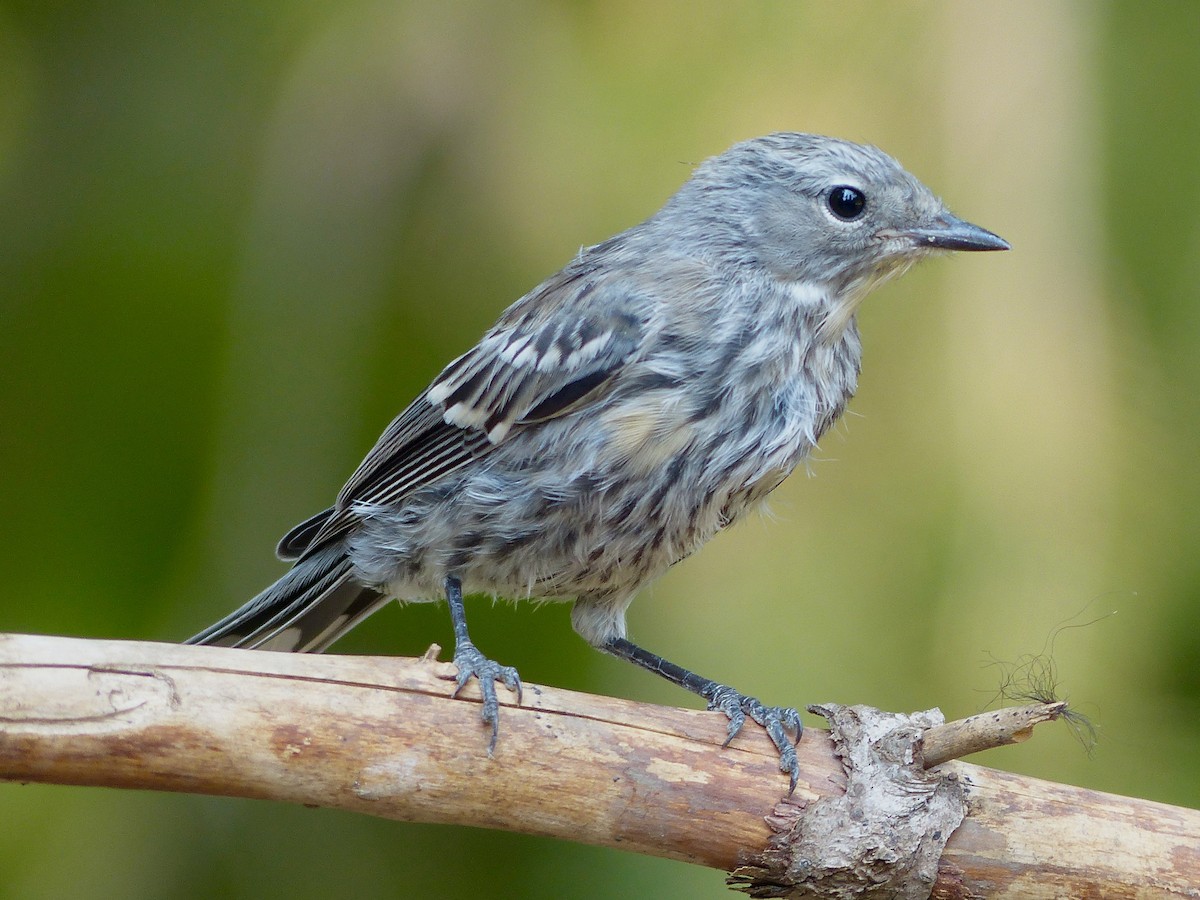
(847, 202)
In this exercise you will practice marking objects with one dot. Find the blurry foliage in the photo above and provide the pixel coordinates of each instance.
(236, 238)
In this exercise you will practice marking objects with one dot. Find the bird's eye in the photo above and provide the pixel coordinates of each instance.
(847, 203)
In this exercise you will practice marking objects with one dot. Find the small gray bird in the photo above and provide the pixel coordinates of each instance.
(620, 414)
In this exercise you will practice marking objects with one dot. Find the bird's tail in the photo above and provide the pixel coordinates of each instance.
(305, 611)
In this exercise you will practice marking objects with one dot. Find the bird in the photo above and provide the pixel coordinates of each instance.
(619, 415)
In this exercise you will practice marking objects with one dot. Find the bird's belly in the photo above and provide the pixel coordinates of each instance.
(527, 526)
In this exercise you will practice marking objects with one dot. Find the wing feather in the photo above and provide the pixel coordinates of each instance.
(549, 353)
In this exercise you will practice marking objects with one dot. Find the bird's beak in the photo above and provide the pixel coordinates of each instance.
(952, 233)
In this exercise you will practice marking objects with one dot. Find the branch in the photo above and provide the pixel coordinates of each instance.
(381, 736)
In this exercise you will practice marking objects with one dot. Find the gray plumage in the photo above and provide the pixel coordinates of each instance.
(624, 411)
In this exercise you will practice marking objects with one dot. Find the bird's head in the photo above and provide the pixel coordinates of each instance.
(824, 212)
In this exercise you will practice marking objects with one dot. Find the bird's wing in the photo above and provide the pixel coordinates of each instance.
(549, 353)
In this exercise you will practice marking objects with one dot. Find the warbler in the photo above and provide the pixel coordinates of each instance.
(620, 414)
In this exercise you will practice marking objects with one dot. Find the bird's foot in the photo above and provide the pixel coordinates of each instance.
(782, 724)
(472, 663)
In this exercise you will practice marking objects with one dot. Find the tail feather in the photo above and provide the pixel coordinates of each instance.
(306, 610)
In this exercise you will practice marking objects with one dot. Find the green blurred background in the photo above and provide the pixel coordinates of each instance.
(236, 238)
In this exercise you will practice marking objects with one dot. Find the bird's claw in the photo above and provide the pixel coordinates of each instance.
(473, 664)
(782, 724)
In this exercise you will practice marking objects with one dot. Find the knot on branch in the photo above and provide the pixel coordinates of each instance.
(883, 837)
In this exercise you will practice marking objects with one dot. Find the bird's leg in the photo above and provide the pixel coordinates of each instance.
(782, 723)
(471, 662)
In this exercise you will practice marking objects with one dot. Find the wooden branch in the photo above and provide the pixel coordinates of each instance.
(381, 736)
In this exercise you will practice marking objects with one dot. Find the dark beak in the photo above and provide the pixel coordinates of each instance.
(952, 233)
